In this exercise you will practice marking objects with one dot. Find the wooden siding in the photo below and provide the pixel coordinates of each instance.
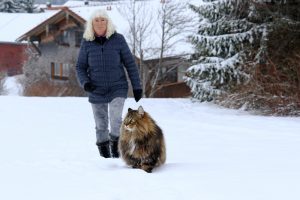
(12, 58)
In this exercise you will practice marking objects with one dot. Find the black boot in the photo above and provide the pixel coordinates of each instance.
(104, 149)
(114, 148)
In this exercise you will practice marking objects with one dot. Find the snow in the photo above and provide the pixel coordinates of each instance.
(48, 151)
(12, 86)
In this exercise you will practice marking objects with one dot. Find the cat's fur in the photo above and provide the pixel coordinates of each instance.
(141, 142)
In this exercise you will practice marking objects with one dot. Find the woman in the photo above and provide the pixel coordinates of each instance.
(100, 69)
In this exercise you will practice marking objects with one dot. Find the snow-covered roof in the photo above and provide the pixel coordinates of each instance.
(13, 25)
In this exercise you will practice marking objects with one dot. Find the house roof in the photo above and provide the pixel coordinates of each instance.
(58, 16)
(13, 25)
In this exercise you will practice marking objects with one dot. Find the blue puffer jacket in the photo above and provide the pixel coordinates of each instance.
(103, 66)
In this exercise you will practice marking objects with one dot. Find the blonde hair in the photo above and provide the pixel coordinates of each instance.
(89, 34)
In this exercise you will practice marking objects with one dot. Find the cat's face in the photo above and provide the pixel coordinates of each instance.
(131, 120)
(130, 124)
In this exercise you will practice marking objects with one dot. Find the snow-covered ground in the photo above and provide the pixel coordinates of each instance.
(48, 152)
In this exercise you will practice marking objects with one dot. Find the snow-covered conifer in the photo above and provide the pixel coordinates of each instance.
(18, 6)
(10, 6)
(27, 6)
(224, 37)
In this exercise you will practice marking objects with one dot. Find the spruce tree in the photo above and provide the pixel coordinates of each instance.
(28, 6)
(225, 34)
(18, 6)
(9, 6)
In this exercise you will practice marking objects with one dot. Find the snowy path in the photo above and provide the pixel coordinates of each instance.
(48, 152)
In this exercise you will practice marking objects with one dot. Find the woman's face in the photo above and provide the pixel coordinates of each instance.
(100, 26)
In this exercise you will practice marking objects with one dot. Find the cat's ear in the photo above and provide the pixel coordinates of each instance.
(141, 110)
(129, 109)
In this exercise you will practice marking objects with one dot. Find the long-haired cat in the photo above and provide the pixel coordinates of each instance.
(141, 142)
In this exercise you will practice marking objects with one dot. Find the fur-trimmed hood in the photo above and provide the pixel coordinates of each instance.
(89, 34)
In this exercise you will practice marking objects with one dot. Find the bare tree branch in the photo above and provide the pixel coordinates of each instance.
(174, 23)
(140, 20)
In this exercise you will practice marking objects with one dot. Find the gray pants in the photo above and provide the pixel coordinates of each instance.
(106, 114)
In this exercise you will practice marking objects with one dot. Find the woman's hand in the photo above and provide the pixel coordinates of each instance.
(89, 87)
(137, 94)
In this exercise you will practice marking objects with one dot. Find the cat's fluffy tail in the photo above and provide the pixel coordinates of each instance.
(162, 158)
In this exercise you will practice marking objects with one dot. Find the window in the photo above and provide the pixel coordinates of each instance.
(63, 38)
(60, 71)
(78, 38)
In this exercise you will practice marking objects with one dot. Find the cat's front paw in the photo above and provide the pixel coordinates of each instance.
(134, 162)
(147, 168)
(149, 160)
(136, 166)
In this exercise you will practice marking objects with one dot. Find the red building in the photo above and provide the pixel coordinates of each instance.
(12, 57)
